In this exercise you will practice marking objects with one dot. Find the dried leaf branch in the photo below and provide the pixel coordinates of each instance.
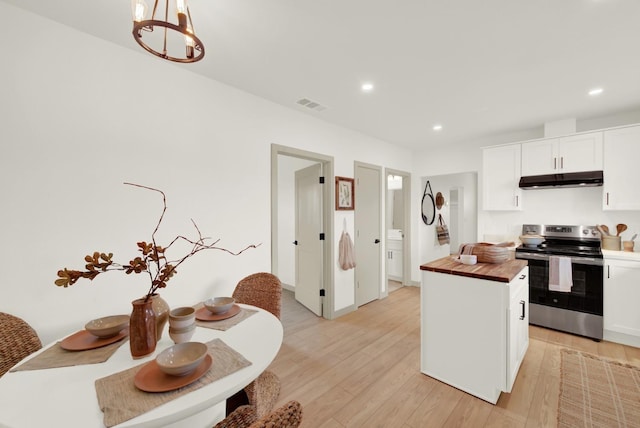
(153, 260)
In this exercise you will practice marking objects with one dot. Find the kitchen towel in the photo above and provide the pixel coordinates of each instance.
(346, 255)
(560, 278)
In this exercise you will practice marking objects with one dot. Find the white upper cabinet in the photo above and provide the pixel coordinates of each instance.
(500, 178)
(621, 153)
(576, 153)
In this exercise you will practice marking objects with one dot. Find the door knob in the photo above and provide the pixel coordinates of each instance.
(295, 242)
(377, 241)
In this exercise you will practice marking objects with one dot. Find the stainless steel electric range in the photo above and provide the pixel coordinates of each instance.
(577, 308)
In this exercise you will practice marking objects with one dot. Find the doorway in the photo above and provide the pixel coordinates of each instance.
(397, 229)
(284, 162)
(368, 232)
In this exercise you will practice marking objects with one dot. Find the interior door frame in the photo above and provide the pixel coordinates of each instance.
(328, 302)
(406, 239)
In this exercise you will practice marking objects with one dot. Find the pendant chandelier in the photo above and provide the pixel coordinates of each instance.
(174, 41)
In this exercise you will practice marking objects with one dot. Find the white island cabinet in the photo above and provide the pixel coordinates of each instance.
(474, 324)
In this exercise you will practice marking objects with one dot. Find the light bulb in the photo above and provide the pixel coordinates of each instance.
(138, 10)
(181, 6)
(189, 43)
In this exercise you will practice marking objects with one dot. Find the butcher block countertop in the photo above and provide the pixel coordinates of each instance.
(501, 272)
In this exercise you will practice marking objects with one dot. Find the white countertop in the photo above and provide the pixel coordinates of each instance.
(621, 255)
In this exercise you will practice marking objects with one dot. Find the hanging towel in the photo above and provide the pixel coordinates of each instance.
(346, 257)
(560, 278)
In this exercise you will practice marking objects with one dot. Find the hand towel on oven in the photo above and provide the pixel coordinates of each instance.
(560, 278)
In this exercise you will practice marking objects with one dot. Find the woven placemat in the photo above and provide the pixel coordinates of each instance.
(229, 322)
(596, 392)
(55, 356)
(120, 400)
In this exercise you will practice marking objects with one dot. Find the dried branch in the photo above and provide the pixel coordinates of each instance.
(153, 255)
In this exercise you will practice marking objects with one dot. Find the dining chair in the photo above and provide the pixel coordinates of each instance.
(262, 289)
(288, 415)
(17, 340)
(261, 394)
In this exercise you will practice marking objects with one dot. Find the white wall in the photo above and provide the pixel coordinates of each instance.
(430, 248)
(80, 116)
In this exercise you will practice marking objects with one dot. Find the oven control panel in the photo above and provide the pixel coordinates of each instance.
(562, 231)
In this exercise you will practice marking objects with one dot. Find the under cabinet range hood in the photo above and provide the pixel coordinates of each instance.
(571, 179)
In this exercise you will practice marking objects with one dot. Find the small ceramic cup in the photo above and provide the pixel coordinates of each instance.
(181, 335)
(182, 317)
(627, 246)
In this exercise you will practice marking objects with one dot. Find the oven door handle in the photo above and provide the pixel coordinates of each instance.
(574, 260)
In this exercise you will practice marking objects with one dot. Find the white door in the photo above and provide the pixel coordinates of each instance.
(308, 193)
(368, 233)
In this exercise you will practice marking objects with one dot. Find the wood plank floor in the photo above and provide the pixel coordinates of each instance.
(363, 370)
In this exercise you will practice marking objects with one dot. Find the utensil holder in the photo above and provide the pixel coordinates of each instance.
(627, 246)
(611, 243)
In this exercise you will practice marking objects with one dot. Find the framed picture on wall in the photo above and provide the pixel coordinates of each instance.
(344, 193)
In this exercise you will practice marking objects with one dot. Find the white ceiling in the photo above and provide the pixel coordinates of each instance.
(478, 67)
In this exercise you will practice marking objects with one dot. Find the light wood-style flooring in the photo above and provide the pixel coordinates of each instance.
(363, 370)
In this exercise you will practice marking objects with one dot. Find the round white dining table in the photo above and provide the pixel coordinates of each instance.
(66, 396)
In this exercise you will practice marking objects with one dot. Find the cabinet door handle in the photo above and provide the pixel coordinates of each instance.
(516, 200)
(561, 162)
(523, 276)
(555, 163)
(522, 302)
(607, 198)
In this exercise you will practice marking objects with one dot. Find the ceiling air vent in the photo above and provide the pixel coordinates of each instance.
(305, 102)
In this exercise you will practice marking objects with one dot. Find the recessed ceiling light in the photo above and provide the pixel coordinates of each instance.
(437, 127)
(367, 87)
(595, 91)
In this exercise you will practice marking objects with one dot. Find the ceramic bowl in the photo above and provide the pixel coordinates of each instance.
(468, 259)
(107, 326)
(531, 240)
(182, 317)
(181, 335)
(181, 359)
(219, 305)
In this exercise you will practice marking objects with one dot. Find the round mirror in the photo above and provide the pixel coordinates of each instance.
(428, 209)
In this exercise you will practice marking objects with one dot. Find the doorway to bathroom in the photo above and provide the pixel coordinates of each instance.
(397, 228)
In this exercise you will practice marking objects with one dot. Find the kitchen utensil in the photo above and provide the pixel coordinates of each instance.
(604, 230)
(633, 238)
(531, 240)
(620, 228)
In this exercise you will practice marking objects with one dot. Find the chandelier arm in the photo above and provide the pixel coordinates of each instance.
(150, 24)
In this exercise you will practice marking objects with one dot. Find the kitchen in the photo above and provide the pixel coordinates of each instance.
(57, 103)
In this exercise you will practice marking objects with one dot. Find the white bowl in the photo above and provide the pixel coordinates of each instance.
(468, 259)
(107, 326)
(181, 335)
(219, 305)
(531, 240)
(182, 317)
(181, 359)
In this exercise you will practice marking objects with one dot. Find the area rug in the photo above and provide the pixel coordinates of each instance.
(596, 392)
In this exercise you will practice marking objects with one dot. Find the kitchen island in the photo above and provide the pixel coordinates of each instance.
(474, 324)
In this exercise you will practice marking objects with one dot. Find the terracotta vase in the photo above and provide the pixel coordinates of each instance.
(142, 328)
(161, 310)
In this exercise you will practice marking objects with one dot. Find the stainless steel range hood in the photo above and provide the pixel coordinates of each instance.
(572, 179)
